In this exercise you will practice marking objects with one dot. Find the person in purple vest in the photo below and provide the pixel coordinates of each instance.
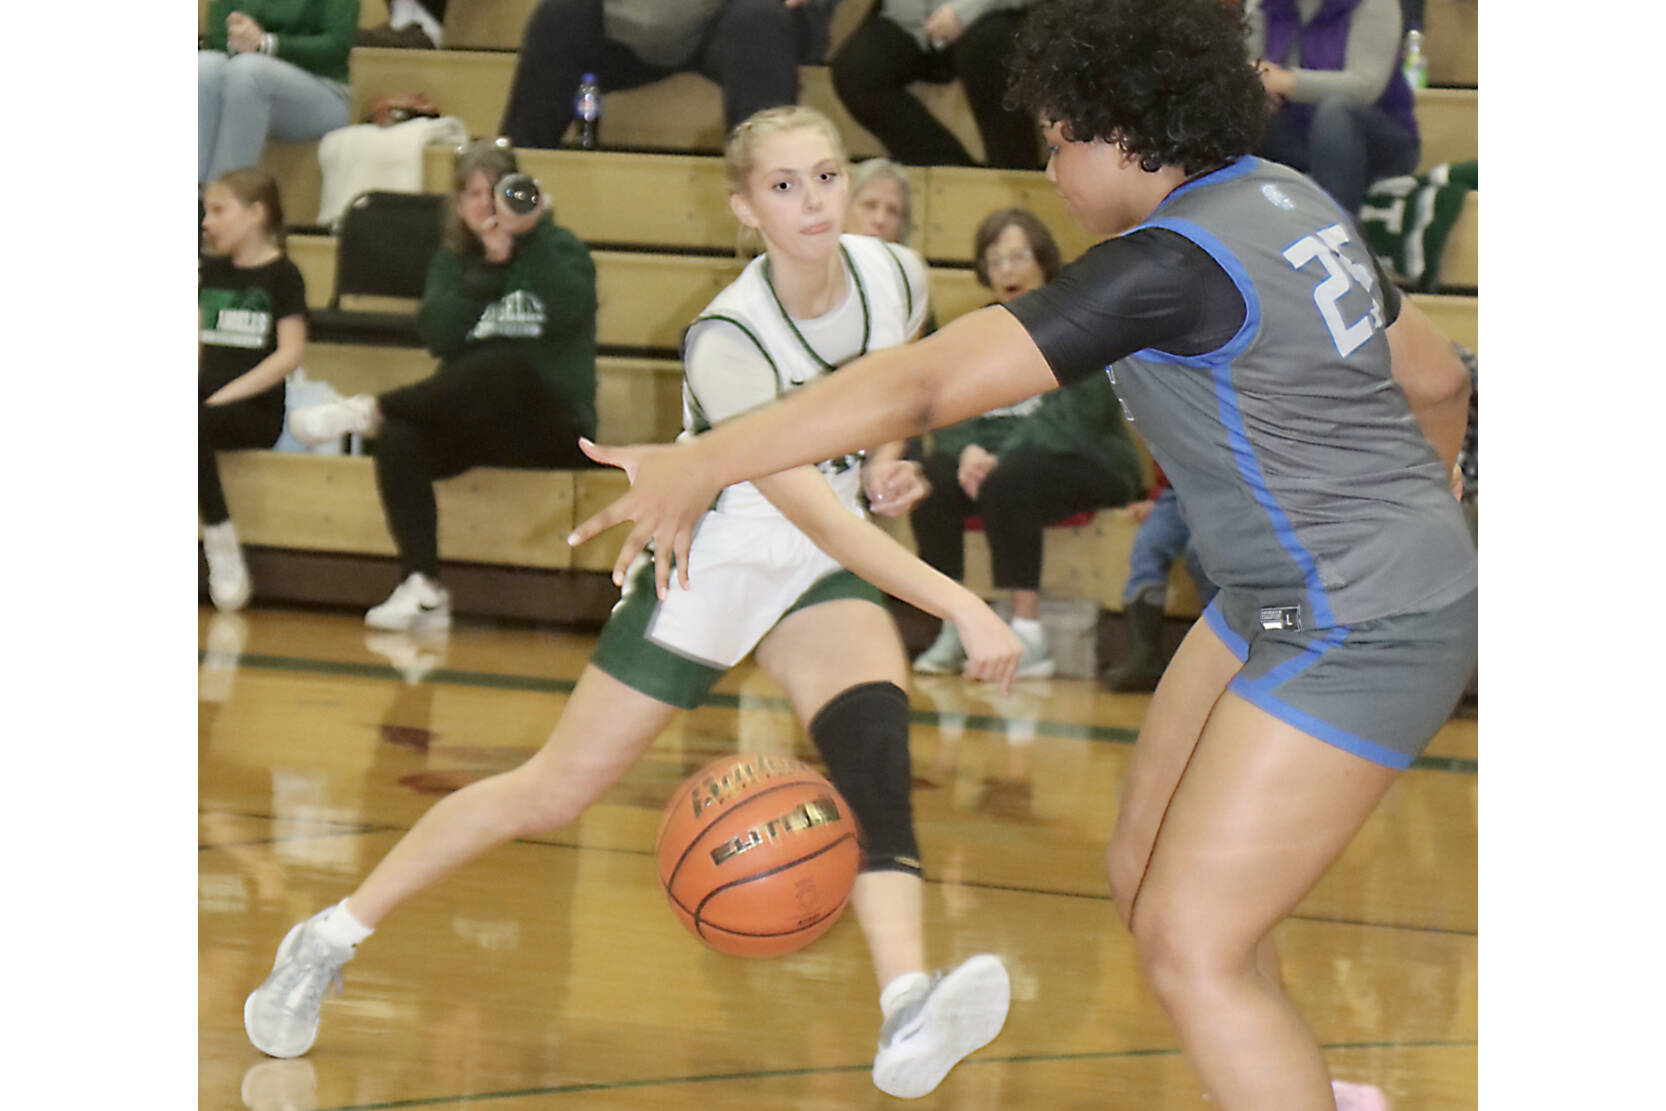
(1342, 111)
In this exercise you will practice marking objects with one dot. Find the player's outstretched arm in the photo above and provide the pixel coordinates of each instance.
(983, 360)
(1434, 379)
(804, 498)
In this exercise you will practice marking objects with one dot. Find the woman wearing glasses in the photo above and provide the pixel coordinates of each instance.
(1022, 466)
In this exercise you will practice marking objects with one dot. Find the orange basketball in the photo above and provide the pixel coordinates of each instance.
(757, 855)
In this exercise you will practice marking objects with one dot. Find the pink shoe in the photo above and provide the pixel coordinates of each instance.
(1358, 1097)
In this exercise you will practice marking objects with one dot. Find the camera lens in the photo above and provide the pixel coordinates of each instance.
(520, 192)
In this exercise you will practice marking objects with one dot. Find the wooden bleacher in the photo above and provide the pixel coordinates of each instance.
(664, 243)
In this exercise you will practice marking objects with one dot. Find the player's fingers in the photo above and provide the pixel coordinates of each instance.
(599, 522)
(681, 545)
(634, 543)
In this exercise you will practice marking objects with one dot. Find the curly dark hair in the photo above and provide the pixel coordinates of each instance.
(1169, 80)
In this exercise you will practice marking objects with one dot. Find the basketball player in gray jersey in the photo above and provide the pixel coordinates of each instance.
(1308, 419)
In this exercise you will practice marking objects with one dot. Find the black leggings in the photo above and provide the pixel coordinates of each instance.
(873, 68)
(484, 408)
(255, 422)
(753, 51)
(1025, 493)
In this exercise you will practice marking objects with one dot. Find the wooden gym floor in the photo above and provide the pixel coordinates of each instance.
(550, 974)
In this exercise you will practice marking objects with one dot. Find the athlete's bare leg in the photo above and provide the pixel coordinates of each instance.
(605, 729)
(815, 654)
(1261, 811)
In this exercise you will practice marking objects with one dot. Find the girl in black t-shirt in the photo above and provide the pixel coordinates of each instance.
(252, 329)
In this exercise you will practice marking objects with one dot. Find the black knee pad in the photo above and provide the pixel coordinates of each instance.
(862, 734)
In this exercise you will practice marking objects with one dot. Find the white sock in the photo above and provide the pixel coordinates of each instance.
(339, 927)
(898, 989)
(1027, 627)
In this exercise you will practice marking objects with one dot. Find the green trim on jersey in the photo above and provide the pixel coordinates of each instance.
(861, 293)
(624, 651)
(703, 423)
(907, 288)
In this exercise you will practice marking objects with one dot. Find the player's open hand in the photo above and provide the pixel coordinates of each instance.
(669, 494)
(992, 648)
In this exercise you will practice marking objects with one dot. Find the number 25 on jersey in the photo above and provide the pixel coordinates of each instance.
(1325, 248)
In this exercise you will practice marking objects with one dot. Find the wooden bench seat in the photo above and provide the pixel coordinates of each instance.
(520, 518)
(684, 112)
(647, 299)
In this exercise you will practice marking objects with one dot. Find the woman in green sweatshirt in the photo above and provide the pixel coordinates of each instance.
(510, 309)
(1023, 467)
(271, 67)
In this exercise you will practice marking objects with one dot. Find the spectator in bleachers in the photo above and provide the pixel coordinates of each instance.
(881, 201)
(272, 69)
(1022, 467)
(252, 329)
(903, 41)
(510, 309)
(1342, 111)
(1162, 537)
(752, 48)
(411, 25)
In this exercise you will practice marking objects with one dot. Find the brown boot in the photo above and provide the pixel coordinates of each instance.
(1142, 660)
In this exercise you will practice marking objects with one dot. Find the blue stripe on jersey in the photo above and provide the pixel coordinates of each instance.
(1248, 164)
(1315, 727)
(1219, 363)
(1312, 652)
(1234, 643)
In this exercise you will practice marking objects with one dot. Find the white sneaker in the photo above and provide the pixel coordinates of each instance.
(946, 656)
(281, 1015)
(1037, 660)
(957, 1013)
(228, 575)
(416, 605)
(413, 655)
(321, 424)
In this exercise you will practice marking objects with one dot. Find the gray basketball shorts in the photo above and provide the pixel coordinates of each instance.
(1379, 689)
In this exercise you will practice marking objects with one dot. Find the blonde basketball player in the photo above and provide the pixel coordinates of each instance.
(778, 561)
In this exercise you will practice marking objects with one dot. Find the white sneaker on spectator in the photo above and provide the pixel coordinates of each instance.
(321, 424)
(953, 1014)
(228, 575)
(1037, 660)
(413, 655)
(416, 605)
(946, 656)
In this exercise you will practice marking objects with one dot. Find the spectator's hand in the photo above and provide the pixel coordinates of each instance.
(1457, 478)
(1138, 511)
(944, 26)
(1278, 81)
(992, 648)
(495, 243)
(975, 465)
(895, 486)
(514, 223)
(243, 34)
(795, 3)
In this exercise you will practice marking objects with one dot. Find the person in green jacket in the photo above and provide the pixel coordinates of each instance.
(510, 309)
(1023, 467)
(271, 68)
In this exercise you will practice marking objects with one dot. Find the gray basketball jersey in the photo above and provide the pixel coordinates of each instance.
(1302, 471)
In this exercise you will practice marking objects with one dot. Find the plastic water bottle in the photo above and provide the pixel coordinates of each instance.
(587, 110)
(1415, 64)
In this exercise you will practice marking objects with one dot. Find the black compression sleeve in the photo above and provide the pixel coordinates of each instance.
(1152, 288)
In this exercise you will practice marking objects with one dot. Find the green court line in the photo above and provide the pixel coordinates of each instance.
(779, 1074)
(1015, 889)
(532, 683)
